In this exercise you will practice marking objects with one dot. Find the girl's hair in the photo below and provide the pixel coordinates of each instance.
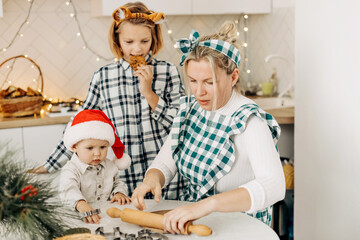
(115, 30)
(228, 33)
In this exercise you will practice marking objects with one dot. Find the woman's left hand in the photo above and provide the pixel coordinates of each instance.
(145, 74)
(174, 221)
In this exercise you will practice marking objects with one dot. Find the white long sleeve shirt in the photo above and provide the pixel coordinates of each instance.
(257, 165)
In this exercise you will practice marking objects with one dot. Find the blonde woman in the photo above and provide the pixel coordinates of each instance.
(221, 141)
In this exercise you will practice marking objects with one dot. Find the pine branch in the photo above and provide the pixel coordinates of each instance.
(27, 205)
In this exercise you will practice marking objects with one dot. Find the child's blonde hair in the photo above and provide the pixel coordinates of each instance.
(115, 30)
(228, 33)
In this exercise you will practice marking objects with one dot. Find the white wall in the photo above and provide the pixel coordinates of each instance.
(327, 112)
(50, 39)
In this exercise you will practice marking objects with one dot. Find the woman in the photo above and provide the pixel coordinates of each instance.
(221, 141)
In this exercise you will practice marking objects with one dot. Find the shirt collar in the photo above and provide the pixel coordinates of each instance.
(83, 166)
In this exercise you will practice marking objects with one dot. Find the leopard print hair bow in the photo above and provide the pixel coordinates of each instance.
(123, 13)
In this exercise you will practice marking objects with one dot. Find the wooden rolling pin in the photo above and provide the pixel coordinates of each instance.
(154, 220)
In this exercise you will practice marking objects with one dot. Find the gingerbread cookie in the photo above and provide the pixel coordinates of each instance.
(136, 61)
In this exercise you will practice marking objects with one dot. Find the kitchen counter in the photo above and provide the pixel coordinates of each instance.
(282, 116)
(32, 121)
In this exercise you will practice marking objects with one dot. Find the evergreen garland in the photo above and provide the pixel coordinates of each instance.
(28, 207)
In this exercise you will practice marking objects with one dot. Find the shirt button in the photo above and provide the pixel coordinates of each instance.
(98, 198)
(99, 186)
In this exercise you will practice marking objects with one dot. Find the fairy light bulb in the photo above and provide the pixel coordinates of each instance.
(237, 33)
(67, 3)
(246, 16)
(4, 49)
(245, 44)
(97, 59)
(246, 29)
(25, 56)
(248, 71)
(236, 21)
(78, 34)
(72, 14)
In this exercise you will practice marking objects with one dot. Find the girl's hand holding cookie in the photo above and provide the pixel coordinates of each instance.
(121, 199)
(145, 75)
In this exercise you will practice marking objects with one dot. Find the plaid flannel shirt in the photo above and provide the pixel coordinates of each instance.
(115, 90)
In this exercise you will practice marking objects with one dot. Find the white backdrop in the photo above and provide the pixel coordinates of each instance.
(327, 113)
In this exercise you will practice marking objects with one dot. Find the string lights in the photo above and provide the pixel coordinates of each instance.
(18, 34)
(80, 34)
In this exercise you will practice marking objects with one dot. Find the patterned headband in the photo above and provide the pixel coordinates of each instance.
(123, 13)
(226, 48)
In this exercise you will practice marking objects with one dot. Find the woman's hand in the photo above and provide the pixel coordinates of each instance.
(175, 220)
(82, 206)
(153, 181)
(148, 185)
(145, 74)
(38, 170)
(121, 199)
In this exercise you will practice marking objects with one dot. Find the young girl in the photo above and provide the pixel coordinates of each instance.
(221, 141)
(141, 104)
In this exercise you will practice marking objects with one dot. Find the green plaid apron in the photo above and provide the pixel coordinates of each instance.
(208, 154)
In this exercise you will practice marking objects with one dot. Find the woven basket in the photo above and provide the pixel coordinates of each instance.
(25, 105)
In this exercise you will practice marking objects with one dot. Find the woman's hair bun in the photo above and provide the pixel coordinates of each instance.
(228, 32)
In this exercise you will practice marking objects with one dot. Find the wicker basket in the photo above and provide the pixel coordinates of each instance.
(25, 105)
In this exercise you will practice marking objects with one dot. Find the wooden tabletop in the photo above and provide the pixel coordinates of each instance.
(282, 116)
(32, 121)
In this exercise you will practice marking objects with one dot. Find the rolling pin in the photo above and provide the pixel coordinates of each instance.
(154, 220)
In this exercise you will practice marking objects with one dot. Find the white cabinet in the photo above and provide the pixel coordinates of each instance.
(188, 7)
(34, 144)
(40, 141)
(231, 6)
(12, 138)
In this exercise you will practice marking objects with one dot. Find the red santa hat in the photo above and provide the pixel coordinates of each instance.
(94, 124)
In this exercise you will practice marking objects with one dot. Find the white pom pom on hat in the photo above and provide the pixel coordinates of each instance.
(94, 124)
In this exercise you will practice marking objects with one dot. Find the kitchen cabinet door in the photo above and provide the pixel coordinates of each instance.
(40, 141)
(188, 7)
(231, 6)
(169, 7)
(12, 136)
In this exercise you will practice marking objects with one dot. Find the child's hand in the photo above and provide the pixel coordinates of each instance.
(82, 206)
(121, 199)
(145, 74)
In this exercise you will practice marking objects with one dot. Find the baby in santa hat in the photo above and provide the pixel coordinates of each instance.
(89, 177)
